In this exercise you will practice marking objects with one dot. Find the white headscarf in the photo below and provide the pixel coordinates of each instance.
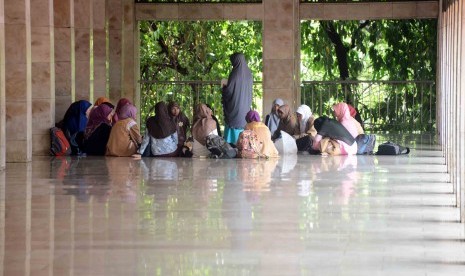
(306, 113)
(273, 121)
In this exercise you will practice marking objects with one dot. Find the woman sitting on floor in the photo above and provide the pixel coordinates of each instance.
(160, 135)
(74, 124)
(125, 136)
(333, 138)
(342, 113)
(204, 125)
(287, 122)
(98, 129)
(263, 133)
(181, 122)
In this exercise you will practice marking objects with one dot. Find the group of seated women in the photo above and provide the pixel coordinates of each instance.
(103, 129)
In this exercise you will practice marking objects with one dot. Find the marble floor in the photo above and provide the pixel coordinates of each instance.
(297, 215)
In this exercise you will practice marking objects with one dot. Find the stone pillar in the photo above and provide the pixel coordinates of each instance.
(18, 80)
(99, 53)
(43, 75)
(64, 53)
(82, 34)
(461, 137)
(281, 52)
(2, 86)
(128, 55)
(114, 17)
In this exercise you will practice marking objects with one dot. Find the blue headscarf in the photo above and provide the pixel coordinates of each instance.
(75, 117)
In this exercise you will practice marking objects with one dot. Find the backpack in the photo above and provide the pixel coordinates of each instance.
(249, 146)
(365, 143)
(390, 148)
(59, 145)
(219, 148)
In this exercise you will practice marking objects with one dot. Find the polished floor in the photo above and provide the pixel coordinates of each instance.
(297, 215)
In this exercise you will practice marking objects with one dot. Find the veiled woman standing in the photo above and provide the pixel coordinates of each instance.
(237, 98)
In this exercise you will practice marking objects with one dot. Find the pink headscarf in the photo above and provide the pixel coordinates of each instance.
(127, 111)
(252, 116)
(342, 112)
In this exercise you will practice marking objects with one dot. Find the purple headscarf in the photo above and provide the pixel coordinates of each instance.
(252, 116)
(97, 117)
(127, 111)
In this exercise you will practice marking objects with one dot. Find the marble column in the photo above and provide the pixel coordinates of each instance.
(99, 54)
(281, 52)
(18, 80)
(128, 55)
(2, 86)
(114, 17)
(43, 75)
(82, 34)
(64, 56)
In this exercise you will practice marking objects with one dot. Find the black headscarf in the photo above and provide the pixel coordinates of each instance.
(237, 94)
(181, 121)
(331, 128)
(160, 126)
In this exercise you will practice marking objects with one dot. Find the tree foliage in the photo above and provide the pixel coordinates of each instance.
(374, 50)
(196, 51)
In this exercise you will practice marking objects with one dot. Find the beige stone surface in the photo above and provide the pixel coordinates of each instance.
(150, 11)
(15, 12)
(16, 82)
(189, 12)
(16, 120)
(212, 11)
(238, 12)
(41, 116)
(277, 73)
(40, 12)
(40, 44)
(82, 80)
(62, 13)
(41, 81)
(2, 12)
(99, 78)
(115, 14)
(99, 44)
(381, 10)
(428, 9)
(62, 37)
(15, 44)
(278, 44)
(61, 105)
(82, 44)
(18, 151)
(2, 91)
(99, 14)
(63, 79)
(403, 10)
(255, 12)
(82, 16)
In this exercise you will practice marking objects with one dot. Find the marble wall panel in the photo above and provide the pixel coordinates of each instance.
(278, 73)
(232, 12)
(82, 15)
(40, 13)
(99, 10)
(63, 79)
(18, 151)
(16, 82)
(40, 44)
(41, 81)
(16, 121)
(82, 80)
(100, 84)
(15, 12)
(114, 14)
(15, 44)
(62, 44)
(62, 13)
(278, 44)
(41, 116)
(403, 10)
(2, 89)
(82, 44)
(381, 10)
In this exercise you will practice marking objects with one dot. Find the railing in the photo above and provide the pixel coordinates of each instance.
(188, 94)
(383, 105)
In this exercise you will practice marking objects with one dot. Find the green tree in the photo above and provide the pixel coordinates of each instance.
(194, 51)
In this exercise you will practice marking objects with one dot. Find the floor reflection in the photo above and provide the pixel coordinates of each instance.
(296, 215)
